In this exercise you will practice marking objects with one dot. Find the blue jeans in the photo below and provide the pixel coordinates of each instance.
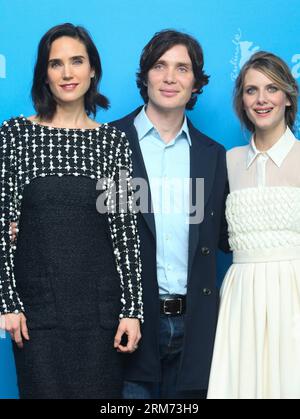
(170, 347)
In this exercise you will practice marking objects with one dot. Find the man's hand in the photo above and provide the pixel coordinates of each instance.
(15, 325)
(130, 327)
(13, 231)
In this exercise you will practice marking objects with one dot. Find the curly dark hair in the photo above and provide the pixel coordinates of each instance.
(160, 43)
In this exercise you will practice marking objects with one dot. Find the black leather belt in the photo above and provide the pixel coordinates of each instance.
(172, 305)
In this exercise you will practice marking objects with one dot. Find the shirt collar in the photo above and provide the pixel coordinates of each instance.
(277, 152)
(143, 126)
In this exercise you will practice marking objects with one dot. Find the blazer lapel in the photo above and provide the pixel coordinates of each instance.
(139, 170)
(202, 165)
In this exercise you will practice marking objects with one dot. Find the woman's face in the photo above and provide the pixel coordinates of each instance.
(264, 102)
(69, 71)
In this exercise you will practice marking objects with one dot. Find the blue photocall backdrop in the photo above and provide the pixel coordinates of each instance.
(229, 31)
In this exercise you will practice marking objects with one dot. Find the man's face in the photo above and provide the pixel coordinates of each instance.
(171, 80)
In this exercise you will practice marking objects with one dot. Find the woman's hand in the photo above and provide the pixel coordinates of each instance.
(14, 231)
(15, 325)
(131, 328)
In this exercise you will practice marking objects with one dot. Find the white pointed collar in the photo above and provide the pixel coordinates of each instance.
(277, 152)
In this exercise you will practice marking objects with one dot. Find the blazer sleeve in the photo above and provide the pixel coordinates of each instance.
(223, 236)
(9, 299)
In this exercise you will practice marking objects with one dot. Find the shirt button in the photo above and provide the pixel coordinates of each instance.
(206, 291)
(169, 267)
(212, 213)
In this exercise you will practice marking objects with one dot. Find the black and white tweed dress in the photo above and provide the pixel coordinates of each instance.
(73, 271)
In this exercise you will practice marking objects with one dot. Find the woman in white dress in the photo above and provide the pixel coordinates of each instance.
(257, 346)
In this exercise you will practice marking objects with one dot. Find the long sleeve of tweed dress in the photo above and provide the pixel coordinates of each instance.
(9, 299)
(123, 227)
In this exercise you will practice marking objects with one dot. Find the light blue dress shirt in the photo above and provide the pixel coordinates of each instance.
(168, 169)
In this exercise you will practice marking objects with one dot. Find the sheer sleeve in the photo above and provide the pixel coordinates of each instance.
(9, 299)
(288, 173)
(124, 232)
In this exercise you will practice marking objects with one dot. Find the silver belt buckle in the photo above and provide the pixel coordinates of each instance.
(173, 299)
(180, 305)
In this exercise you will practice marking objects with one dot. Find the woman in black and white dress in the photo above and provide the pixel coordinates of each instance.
(72, 278)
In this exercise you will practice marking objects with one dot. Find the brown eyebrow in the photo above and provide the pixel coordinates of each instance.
(177, 64)
(78, 56)
(58, 60)
(268, 85)
(184, 65)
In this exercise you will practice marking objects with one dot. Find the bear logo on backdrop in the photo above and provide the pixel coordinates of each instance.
(2, 67)
(296, 67)
(296, 73)
(244, 50)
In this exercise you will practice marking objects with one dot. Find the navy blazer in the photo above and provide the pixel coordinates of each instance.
(208, 161)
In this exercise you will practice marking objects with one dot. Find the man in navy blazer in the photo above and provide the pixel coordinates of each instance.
(178, 252)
